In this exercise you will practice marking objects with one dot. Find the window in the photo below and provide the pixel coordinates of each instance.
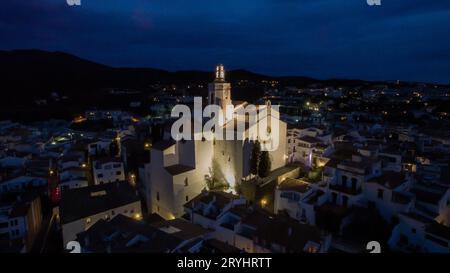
(380, 194)
(186, 182)
(118, 173)
(345, 201)
(354, 183)
(113, 213)
(334, 197)
(413, 230)
(157, 196)
(187, 198)
(99, 175)
(344, 181)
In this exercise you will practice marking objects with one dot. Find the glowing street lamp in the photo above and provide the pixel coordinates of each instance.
(263, 202)
(138, 216)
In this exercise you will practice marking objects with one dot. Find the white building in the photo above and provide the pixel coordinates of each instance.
(415, 233)
(21, 220)
(178, 170)
(108, 170)
(19, 183)
(310, 146)
(81, 208)
(251, 229)
(298, 199)
(73, 177)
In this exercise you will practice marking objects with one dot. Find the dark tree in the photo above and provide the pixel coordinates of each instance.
(254, 158)
(264, 164)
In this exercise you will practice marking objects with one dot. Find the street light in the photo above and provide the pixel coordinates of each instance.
(263, 202)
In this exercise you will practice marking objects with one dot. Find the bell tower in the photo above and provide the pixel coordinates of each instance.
(219, 90)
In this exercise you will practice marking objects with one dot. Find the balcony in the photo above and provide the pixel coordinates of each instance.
(228, 225)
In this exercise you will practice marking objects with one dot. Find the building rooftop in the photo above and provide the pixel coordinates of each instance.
(181, 229)
(438, 230)
(84, 202)
(288, 233)
(290, 184)
(178, 169)
(216, 246)
(426, 196)
(219, 198)
(389, 179)
(123, 234)
(163, 145)
(309, 139)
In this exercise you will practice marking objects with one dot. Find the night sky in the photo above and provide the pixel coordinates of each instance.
(402, 39)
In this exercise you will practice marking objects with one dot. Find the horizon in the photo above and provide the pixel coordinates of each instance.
(234, 69)
(323, 39)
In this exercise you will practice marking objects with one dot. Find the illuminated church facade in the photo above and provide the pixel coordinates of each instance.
(179, 170)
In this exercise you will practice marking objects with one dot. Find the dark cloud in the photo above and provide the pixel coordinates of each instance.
(402, 39)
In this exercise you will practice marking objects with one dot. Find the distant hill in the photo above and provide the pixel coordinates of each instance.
(35, 73)
(30, 75)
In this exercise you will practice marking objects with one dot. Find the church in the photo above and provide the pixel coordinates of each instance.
(179, 170)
